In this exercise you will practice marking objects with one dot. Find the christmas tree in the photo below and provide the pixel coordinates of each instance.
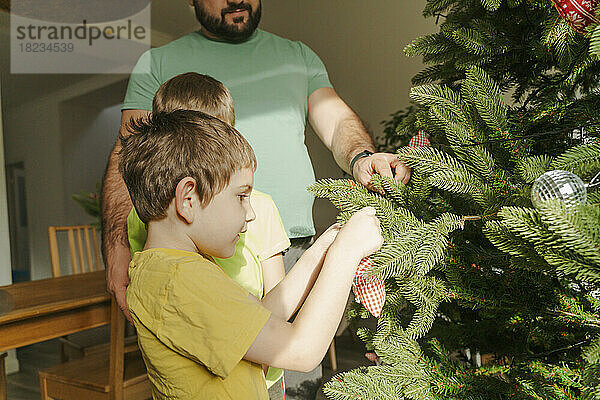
(489, 295)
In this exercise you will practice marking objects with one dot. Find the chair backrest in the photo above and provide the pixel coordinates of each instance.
(110, 373)
(120, 378)
(84, 258)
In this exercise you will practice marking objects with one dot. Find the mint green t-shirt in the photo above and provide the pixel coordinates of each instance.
(270, 79)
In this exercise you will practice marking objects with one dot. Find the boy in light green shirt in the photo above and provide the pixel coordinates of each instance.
(202, 335)
(257, 264)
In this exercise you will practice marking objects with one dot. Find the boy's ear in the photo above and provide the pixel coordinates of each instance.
(185, 199)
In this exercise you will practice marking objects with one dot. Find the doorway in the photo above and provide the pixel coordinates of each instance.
(17, 222)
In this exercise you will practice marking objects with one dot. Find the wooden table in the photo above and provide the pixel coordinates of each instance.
(35, 311)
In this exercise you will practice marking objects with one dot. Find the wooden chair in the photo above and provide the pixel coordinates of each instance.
(3, 394)
(117, 374)
(79, 255)
(84, 256)
(332, 355)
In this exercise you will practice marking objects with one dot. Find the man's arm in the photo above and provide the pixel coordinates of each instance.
(116, 205)
(342, 131)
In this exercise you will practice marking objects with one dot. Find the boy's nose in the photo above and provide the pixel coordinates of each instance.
(250, 214)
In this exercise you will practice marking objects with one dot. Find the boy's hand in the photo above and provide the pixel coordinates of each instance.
(361, 235)
(319, 248)
(324, 241)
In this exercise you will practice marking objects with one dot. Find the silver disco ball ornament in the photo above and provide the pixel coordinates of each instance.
(558, 184)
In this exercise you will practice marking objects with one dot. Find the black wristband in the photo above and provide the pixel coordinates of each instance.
(364, 153)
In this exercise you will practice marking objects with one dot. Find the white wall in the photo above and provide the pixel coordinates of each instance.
(33, 134)
(64, 144)
(61, 126)
(31, 137)
(5, 270)
(86, 143)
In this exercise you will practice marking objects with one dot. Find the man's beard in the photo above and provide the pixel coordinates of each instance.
(230, 33)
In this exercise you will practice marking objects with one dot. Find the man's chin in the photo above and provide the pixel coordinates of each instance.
(239, 28)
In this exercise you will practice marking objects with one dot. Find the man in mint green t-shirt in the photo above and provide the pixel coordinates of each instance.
(277, 85)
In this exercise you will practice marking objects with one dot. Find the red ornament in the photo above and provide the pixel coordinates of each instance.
(419, 140)
(370, 293)
(578, 13)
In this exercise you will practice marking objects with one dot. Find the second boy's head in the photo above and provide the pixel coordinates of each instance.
(193, 91)
(192, 174)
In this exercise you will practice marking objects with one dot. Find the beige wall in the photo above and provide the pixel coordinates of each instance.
(361, 44)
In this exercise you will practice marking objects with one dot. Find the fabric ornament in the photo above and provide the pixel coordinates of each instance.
(374, 358)
(419, 140)
(371, 294)
(578, 13)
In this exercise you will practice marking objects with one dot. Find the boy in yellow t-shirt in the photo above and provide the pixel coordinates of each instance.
(202, 335)
(257, 264)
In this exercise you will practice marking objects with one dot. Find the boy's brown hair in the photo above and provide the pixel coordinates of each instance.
(193, 91)
(169, 146)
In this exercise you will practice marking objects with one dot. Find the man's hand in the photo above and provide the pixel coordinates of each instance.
(117, 276)
(384, 164)
(340, 129)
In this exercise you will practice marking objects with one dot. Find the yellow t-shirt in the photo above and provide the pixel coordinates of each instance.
(194, 325)
(264, 238)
